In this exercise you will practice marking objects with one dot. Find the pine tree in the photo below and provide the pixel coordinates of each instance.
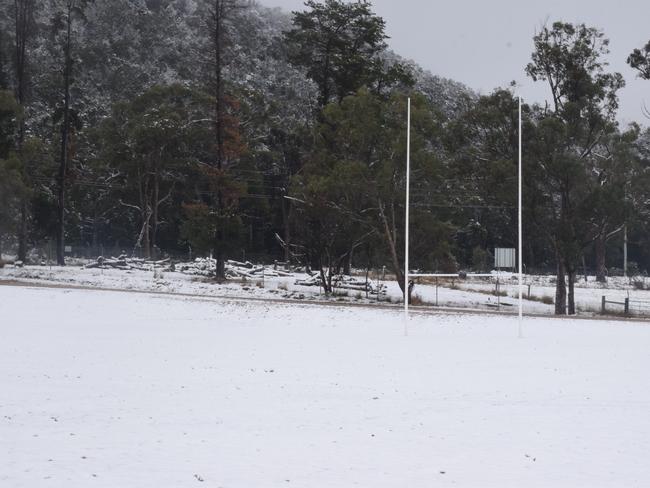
(217, 23)
(339, 44)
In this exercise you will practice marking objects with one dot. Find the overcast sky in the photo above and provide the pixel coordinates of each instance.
(487, 43)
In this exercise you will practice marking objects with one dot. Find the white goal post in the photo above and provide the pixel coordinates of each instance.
(408, 275)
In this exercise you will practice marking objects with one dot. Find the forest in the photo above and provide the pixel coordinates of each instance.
(189, 128)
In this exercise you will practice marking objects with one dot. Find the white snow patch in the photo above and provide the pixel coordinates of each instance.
(114, 389)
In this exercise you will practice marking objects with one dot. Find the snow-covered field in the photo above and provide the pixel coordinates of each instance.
(463, 293)
(588, 294)
(111, 389)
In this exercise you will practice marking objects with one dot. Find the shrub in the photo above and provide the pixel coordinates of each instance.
(416, 300)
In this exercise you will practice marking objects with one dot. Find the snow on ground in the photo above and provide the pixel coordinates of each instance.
(269, 287)
(588, 295)
(170, 282)
(472, 293)
(111, 389)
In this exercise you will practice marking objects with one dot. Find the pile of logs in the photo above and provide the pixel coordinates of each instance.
(344, 282)
(126, 264)
(198, 267)
(236, 269)
(7, 262)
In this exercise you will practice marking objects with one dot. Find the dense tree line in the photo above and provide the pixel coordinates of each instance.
(195, 127)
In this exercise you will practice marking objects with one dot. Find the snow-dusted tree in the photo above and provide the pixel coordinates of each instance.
(152, 143)
(639, 196)
(216, 30)
(584, 102)
(4, 74)
(340, 45)
(67, 15)
(353, 184)
(12, 187)
(481, 150)
(277, 106)
(20, 22)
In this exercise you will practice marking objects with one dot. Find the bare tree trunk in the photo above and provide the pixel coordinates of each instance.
(326, 283)
(347, 262)
(326, 277)
(572, 302)
(601, 270)
(146, 219)
(218, 14)
(155, 200)
(390, 235)
(146, 242)
(560, 288)
(287, 229)
(23, 11)
(22, 232)
(95, 236)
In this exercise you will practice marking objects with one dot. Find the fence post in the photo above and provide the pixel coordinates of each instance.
(627, 306)
(604, 306)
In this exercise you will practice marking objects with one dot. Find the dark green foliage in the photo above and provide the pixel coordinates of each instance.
(640, 61)
(340, 45)
(10, 112)
(4, 75)
(352, 186)
(284, 138)
(571, 145)
(155, 142)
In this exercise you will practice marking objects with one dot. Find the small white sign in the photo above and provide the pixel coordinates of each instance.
(504, 257)
(68, 248)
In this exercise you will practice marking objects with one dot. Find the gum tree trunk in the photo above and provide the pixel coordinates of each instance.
(601, 270)
(571, 301)
(560, 290)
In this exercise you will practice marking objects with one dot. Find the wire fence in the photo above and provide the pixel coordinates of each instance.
(626, 306)
(641, 308)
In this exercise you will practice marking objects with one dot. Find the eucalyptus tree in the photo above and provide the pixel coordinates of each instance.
(639, 59)
(352, 186)
(570, 59)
